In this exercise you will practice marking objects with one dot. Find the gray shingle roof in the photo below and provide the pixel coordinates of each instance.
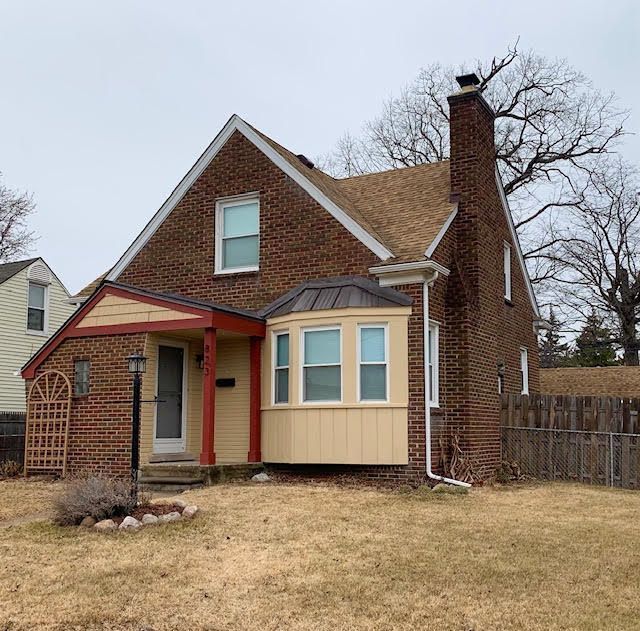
(7, 270)
(335, 293)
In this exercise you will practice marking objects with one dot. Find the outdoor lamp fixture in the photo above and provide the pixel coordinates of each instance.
(200, 361)
(137, 363)
(137, 366)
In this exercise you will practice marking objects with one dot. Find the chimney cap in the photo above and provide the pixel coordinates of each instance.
(468, 80)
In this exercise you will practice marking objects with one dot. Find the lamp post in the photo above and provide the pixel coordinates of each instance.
(137, 366)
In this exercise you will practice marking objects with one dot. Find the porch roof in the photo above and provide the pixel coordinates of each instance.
(116, 308)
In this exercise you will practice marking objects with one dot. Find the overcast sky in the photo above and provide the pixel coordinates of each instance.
(104, 106)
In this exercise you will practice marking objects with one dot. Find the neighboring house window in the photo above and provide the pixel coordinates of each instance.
(507, 271)
(81, 376)
(434, 363)
(321, 365)
(524, 370)
(281, 368)
(373, 362)
(237, 236)
(36, 312)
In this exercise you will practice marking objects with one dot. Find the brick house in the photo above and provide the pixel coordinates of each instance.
(295, 319)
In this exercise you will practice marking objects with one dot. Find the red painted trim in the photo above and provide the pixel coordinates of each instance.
(254, 400)
(238, 324)
(208, 317)
(138, 327)
(207, 454)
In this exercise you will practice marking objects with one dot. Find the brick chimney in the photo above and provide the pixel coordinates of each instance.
(476, 300)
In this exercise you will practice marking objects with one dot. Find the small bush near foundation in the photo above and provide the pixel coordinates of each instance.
(10, 469)
(99, 497)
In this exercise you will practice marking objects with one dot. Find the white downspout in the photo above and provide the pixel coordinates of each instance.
(427, 404)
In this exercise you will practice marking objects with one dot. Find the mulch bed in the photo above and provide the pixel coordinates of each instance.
(152, 509)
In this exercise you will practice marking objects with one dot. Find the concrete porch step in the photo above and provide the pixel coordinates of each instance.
(191, 474)
(169, 483)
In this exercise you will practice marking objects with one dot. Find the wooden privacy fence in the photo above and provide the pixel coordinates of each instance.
(12, 428)
(588, 439)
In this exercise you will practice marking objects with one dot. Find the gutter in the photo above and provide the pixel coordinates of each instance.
(427, 404)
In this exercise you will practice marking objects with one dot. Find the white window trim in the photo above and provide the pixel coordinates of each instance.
(328, 327)
(524, 369)
(435, 401)
(45, 331)
(275, 367)
(221, 204)
(506, 264)
(359, 362)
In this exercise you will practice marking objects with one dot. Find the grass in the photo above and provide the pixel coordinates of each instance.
(20, 497)
(289, 556)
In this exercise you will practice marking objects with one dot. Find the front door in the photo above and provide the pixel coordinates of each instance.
(170, 410)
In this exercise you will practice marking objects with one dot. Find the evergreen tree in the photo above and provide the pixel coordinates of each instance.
(594, 345)
(553, 352)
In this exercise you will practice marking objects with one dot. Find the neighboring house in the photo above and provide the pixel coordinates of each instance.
(290, 317)
(33, 304)
(612, 381)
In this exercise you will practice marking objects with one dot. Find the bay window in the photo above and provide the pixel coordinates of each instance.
(321, 365)
(372, 344)
(281, 368)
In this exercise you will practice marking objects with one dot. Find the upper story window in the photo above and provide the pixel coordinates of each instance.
(433, 356)
(281, 368)
(37, 308)
(507, 271)
(524, 370)
(321, 365)
(81, 377)
(237, 230)
(373, 362)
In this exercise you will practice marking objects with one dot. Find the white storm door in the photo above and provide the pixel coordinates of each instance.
(171, 407)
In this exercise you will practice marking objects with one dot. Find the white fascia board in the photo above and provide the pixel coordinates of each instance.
(445, 226)
(408, 273)
(235, 123)
(516, 243)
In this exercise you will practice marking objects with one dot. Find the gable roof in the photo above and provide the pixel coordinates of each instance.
(8, 270)
(336, 293)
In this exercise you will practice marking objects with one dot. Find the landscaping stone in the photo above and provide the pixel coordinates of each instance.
(179, 503)
(149, 519)
(190, 511)
(130, 523)
(88, 522)
(173, 516)
(261, 477)
(105, 525)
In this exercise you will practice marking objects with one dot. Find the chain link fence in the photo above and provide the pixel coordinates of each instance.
(591, 457)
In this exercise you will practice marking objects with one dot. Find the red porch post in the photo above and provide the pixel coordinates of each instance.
(207, 453)
(254, 399)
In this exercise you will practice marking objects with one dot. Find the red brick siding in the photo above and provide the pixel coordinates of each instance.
(100, 422)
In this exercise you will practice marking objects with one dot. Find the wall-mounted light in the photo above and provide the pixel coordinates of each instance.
(200, 361)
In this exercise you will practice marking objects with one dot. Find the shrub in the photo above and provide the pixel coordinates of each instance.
(99, 497)
(10, 469)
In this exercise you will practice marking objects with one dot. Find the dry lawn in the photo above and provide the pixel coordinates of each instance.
(323, 557)
(19, 498)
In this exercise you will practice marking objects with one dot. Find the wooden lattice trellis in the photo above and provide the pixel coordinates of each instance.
(47, 427)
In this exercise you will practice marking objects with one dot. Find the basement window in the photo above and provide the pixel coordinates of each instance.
(237, 232)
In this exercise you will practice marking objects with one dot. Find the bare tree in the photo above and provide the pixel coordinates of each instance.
(15, 237)
(599, 251)
(550, 123)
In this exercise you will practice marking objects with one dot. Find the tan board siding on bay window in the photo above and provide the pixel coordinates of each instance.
(350, 432)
